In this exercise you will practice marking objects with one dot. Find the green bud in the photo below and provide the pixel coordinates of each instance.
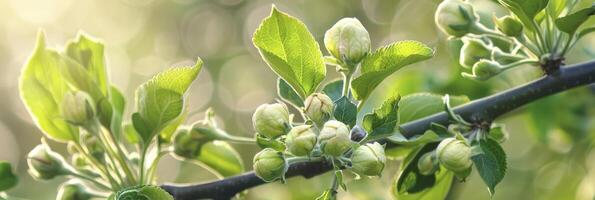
(301, 140)
(335, 138)
(271, 120)
(456, 17)
(77, 108)
(318, 107)
(95, 147)
(348, 40)
(45, 164)
(368, 159)
(454, 155)
(509, 26)
(270, 165)
(473, 51)
(485, 69)
(187, 144)
(79, 161)
(427, 164)
(73, 191)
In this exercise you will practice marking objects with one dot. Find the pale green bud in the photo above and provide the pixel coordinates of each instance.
(187, 144)
(301, 140)
(509, 26)
(73, 191)
(270, 165)
(485, 69)
(318, 107)
(473, 51)
(45, 164)
(427, 164)
(335, 138)
(77, 108)
(271, 120)
(456, 17)
(348, 40)
(368, 159)
(454, 155)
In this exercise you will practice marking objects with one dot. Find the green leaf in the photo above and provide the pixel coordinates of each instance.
(334, 89)
(327, 195)
(144, 192)
(291, 51)
(119, 103)
(264, 142)
(161, 99)
(525, 10)
(384, 119)
(130, 134)
(345, 111)
(339, 177)
(220, 158)
(7, 178)
(168, 131)
(570, 23)
(89, 53)
(410, 180)
(491, 164)
(439, 190)
(419, 105)
(384, 62)
(287, 93)
(42, 89)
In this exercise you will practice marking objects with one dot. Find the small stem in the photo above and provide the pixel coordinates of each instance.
(141, 168)
(92, 180)
(520, 62)
(241, 140)
(302, 159)
(97, 165)
(346, 82)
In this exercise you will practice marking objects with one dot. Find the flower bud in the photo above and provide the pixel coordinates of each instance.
(368, 159)
(358, 133)
(509, 26)
(301, 140)
(77, 108)
(187, 144)
(456, 17)
(427, 164)
(73, 191)
(485, 69)
(473, 51)
(348, 40)
(45, 164)
(454, 155)
(271, 120)
(334, 138)
(318, 107)
(270, 165)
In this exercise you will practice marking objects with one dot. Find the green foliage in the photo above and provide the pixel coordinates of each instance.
(383, 121)
(7, 178)
(287, 93)
(419, 105)
(491, 163)
(570, 23)
(345, 111)
(221, 158)
(334, 89)
(161, 99)
(410, 179)
(291, 51)
(146, 192)
(264, 142)
(385, 61)
(525, 10)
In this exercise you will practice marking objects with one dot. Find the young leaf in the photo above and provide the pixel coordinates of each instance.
(42, 89)
(345, 111)
(119, 103)
(334, 89)
(419, 105)
(410, 180)
(439, 190)
(525, 10)
(291, 51)
(383, 120)
(384, 62)
(288, 94)
(220, 158)
(570, 23)
(264, 143)
(146, 192)
(7, 178)
(161, 99)
(89, 53)
(327, 195)
(491, 164)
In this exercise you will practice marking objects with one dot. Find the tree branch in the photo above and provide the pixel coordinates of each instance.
(482, 110)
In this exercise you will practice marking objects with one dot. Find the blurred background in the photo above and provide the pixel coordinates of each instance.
(550, 151)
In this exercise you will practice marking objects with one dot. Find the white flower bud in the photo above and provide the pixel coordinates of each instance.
(270, 165)
(319, 107)
(335, 138)
(454, 155)
(271, 120)
(509, 26)
(427, 164)
(73, 191)
(301, 140)
(472, 51)
(45, 164)
(456, 17)
(348, 40)
(77, 108)
(368, 159)
(485, 69)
